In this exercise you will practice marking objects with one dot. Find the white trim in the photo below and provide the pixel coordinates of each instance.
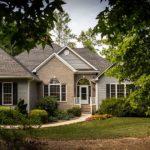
(96, 95)
(87, 94)
(116, 89)
(49, 58)
(28, 107)
(103, 72)
(78, 56)
(7, 93)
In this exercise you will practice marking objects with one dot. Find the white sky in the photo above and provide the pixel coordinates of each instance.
(83, 13)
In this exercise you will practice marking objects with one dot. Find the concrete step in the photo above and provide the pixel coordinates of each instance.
(86, 108)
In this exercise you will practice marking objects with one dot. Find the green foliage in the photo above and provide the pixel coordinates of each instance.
(23, 24)
(38, 114)
(49, 104)
(22, 107)
(125, 28)
(62, 34)
(90, 40)
(116, 107)
(75, 111)
(63, 115)
(52, 119)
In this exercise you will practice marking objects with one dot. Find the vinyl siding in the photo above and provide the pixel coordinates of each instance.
(74, 61)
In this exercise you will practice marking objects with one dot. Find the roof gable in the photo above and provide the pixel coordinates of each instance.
(49, 58)
(10, 67)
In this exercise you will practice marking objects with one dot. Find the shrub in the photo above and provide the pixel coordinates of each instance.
(37, 114)
(49, 104)
(63, 115)
(52, 119)
(116, 107)
(10, 116)
(75, 111)
(22, 107)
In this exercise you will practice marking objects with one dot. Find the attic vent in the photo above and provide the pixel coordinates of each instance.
(66, 52)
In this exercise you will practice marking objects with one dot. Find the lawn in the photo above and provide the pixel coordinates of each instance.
(98, 129)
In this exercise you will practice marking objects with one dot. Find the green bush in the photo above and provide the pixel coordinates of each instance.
(49, 104)
(38, 114)
(116, 107)
(9, 116)
(63, 115)
(22, 107)
(52, 119)
(75, 111)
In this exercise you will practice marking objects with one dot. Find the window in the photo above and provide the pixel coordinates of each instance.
(55, 88)
(63, 92)
(55, 91)
(7, 94)
(118, 90)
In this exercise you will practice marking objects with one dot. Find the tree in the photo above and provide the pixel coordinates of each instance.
(62, 34)
(125, 25)
(90, 40)
(23, 24)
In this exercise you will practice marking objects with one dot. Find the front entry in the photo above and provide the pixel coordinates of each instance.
(84, 94)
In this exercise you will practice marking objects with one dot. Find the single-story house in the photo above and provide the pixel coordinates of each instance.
(75, 76)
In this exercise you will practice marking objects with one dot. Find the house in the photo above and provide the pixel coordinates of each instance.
(75, 76)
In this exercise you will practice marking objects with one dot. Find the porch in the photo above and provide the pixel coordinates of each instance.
(85, 95)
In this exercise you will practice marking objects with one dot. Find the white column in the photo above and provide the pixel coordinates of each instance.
(96, 96)
(28, 104)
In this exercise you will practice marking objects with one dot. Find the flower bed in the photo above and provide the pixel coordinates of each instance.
(99, 117)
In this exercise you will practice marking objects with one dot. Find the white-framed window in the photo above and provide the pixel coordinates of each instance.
(7, 93)
(118, 90)
(57, 89)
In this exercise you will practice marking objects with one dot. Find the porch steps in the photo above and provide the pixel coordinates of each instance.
(86, 108)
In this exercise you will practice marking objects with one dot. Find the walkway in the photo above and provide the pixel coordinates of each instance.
(81, 119)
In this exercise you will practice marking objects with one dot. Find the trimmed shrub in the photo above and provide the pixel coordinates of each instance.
(75, 111)
(9, 116)
(116, 107)
(52, 119)
(49, 104)
(38, 114)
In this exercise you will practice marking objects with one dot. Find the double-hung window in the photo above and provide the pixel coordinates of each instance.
(7, 93)
(56, 89)
(118, 90)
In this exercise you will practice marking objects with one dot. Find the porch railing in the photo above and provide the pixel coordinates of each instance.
(77, 101)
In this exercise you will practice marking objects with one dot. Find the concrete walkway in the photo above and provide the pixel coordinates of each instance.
(80, 119)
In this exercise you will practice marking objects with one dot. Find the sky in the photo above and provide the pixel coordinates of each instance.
(83, 13)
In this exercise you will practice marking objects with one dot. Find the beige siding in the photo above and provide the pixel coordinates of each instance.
(55, 68)
(23, 90)
(33, 95)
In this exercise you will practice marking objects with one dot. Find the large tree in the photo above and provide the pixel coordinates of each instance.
(25, 23)
(125, 25)
(62, 34)
(90, 40)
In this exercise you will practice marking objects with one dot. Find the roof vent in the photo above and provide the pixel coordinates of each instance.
(66, 52)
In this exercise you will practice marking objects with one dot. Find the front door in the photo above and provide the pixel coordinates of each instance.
(84, 94)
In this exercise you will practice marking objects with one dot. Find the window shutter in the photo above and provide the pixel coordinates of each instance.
(45, 90)
(0, 93)
(107, 90)
(15, 93)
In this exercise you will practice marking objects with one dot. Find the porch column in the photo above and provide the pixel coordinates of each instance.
(96, 96)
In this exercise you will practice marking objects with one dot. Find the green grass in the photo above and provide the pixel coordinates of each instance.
(98, 129)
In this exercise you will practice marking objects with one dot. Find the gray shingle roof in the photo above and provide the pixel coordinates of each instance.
(93, 58)
(37, 55)
(10, 67)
